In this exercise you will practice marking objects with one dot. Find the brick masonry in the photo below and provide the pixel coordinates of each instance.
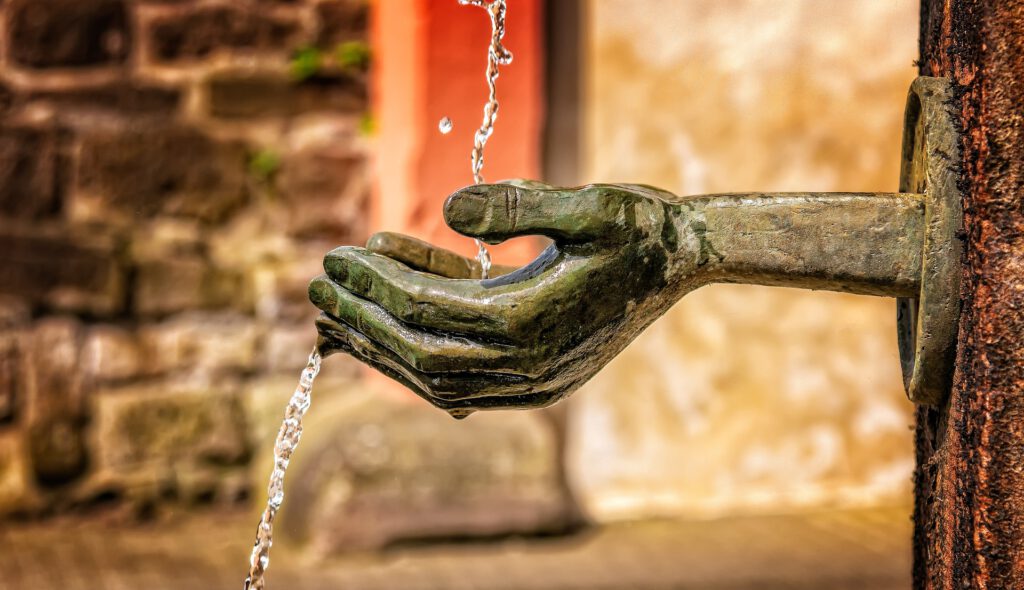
(168, 170)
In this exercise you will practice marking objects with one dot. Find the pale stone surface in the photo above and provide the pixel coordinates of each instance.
(374, 469)
(163, 238)
(747, 398)
(182, 283)
(325, 180)
(17, 491)
(201, 343)
(55, 389)
(286, 347)
(111, 353)
(159, 433)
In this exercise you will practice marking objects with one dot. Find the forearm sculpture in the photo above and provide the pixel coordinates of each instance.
(622, 255)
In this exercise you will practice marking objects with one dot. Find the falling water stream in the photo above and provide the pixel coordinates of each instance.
(287, 440)
(497, 55)
(291, 429)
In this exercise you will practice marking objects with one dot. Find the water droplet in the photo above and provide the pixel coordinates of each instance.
(460, 414)
(444, 125)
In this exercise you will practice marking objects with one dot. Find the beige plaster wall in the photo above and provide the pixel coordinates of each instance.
(747, 398)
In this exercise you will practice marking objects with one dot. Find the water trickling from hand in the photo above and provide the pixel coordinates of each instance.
(497, 55)
(291, 429)
(287, 439)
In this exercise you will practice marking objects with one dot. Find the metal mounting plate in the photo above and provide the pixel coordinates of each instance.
(927, 326)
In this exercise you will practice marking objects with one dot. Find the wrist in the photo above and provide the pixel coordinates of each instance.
(850, 242)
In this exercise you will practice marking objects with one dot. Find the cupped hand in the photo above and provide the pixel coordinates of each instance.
(621, 255)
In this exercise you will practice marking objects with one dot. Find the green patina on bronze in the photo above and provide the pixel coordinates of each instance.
(621, 256)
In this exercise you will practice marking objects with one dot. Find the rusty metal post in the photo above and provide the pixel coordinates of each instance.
(969, 513)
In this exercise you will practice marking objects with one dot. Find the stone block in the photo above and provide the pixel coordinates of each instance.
(17, 492)
(58, 451)
(373, 470)
(68, 33)
(33, 171)
(10, 377)
(238, 95)
(207, 343)
(152, 431)
(14, 317)
(286, 346)
(84, 105)
(194, 34)
(328, 191)
(111, 353)
(15, 312)
(185, 283)
(163, 171)
(7, 98)
(342, 20)
(167, 237)
(55, 409)
(69, 269)
(281, 291)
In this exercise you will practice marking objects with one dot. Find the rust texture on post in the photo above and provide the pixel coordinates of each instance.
(969, 483)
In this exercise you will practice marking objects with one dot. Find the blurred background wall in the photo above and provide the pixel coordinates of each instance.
(171, 174)
(747, 398)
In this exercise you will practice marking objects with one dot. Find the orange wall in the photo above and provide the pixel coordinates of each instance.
(429, 62)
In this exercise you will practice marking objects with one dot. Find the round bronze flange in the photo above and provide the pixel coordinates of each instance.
(927, 326)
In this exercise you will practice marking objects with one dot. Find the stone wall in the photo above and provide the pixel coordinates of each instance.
(171, 173)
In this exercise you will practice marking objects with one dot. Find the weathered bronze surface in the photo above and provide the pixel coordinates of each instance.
(621, 256)
(927, 323)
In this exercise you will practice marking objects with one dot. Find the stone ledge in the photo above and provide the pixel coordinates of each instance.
(373, 470)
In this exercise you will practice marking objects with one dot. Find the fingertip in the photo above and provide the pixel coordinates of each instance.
(470, 210)
(336, 262)
(381, 242)
(323, 293)
(454, 205)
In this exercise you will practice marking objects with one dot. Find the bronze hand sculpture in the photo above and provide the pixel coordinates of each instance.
(621, 256)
